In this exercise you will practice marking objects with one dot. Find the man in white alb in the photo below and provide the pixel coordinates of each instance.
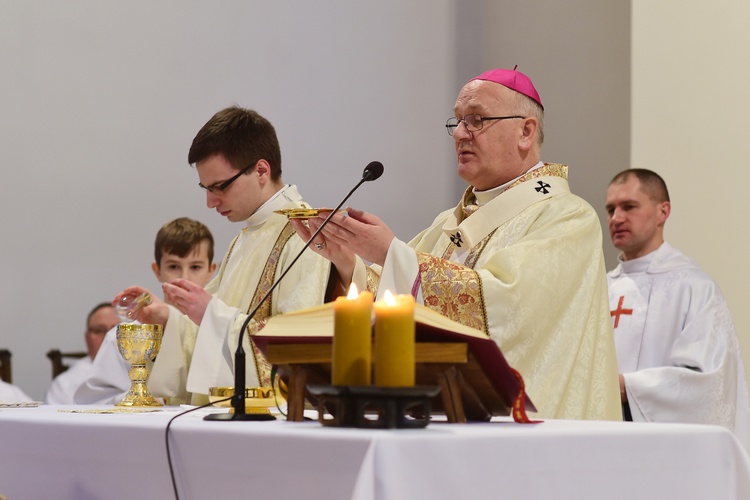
(63, 388)
(9, 393)
(238, 160)
(677, 351)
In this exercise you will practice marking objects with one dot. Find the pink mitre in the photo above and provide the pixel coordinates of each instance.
(514, 80)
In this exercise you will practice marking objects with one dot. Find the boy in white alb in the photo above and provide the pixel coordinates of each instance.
(183, 248)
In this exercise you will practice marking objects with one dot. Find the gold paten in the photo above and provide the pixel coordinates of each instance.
(137, 344)
(257, 399)
(302, 213)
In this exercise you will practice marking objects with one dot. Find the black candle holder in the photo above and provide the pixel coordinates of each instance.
(372, 407)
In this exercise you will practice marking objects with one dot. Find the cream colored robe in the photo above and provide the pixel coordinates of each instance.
(192, 358)
(530, 273)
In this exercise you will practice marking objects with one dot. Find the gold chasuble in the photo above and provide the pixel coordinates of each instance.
(526, 268)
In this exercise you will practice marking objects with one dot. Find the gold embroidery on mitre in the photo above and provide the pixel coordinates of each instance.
(267, 277)
(452, 290)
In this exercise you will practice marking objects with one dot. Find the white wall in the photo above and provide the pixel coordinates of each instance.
(101, 99)
(691, 100)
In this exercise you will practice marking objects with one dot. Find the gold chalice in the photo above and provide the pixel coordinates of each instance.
(137, 344)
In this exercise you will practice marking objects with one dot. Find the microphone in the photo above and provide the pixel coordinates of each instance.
(372, 171)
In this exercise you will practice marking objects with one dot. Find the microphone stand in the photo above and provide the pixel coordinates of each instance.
(372, 171)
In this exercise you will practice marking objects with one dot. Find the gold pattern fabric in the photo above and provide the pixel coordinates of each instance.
(266, 280)
(373, 278)
(452, 290)
(530, 273)
(469, 201)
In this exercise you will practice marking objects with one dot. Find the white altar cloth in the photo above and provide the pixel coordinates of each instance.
(51, 454)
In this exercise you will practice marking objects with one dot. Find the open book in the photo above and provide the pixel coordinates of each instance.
(489, 386)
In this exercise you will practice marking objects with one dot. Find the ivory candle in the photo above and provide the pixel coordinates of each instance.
(394, 341)
(352, 339)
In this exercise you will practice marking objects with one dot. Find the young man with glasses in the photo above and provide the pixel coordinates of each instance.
(520, 257)
(238, 160)
(99, 321)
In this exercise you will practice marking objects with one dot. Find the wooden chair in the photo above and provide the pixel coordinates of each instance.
(5, 367)
(58, 360)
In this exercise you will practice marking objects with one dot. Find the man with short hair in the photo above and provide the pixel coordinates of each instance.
(183, 249)
(238, 160)
(98, 322)
(677, 351)
(520, 258)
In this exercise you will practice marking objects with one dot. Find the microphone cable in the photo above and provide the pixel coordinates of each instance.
(166, 439)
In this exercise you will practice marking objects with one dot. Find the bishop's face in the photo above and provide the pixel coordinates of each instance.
(489, 157)
(636, 221)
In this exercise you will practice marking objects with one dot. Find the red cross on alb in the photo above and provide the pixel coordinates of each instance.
(620, 311)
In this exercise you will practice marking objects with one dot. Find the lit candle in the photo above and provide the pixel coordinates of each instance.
(394, 341)
(352, 339)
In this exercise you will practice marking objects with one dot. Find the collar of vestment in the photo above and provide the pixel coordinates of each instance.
(534, 186)
(279, 200)
(662, 260)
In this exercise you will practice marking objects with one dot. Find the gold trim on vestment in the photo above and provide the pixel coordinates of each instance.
(373, 280)
(468, 201)
(267, 278)
(453, 290)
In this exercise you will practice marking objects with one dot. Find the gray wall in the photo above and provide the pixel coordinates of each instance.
(101, 100)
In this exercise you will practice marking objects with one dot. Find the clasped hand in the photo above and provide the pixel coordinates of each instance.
(346, 235)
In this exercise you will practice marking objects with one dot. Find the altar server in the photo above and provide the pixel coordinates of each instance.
(9, 393)
(63, 387)
(677, 351)
(183, 249)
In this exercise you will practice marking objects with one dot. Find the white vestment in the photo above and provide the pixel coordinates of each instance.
(11, 394)
(676, 344)
(63, 387)
(527, 269)
(108, 380)
(192, 359)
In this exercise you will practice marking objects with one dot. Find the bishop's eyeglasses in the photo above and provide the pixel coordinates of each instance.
(219, 187)
(474, 122)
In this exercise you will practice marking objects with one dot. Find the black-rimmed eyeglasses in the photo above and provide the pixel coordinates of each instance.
(219, 187)
(474, 122)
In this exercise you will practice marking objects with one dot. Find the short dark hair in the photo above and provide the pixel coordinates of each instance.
(651, 183)
(100, 305)
(241, 136)
(180, 237)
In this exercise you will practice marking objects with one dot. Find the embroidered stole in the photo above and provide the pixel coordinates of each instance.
(267, 278)
(455, 290)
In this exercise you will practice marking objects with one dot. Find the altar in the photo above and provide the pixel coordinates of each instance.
(73, 452)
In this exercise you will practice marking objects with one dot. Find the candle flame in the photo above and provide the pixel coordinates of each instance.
(389, 298)
(353, 293)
